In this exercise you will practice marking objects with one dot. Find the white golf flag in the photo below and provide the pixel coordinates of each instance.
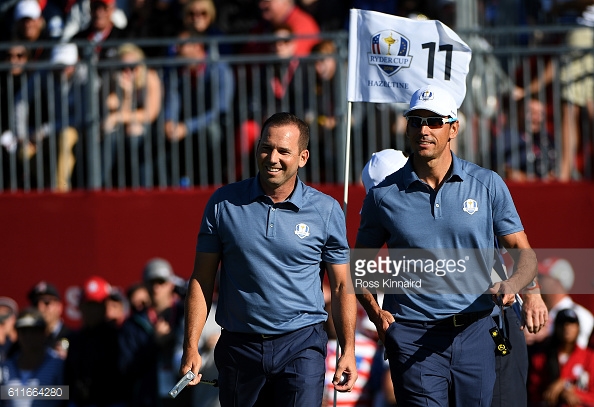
(391, 57)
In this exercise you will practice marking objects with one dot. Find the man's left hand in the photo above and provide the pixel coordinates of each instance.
(535, 313)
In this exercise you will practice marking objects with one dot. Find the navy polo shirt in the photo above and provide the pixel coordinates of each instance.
(270, 277)
(468, 212)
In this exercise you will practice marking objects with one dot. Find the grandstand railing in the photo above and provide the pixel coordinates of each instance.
(505, 63)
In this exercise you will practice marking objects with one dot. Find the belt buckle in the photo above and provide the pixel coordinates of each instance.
(456, 324)
(266, 336)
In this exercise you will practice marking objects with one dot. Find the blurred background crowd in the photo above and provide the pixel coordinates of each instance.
(124, 347)
(119, 94)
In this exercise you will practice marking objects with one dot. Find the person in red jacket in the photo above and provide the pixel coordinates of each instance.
(562, 373)
(275, 13)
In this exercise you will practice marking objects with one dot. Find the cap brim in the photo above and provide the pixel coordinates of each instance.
(424, 108)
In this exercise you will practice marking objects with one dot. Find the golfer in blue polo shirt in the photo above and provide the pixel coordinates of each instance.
(437, 341)
(273, 236)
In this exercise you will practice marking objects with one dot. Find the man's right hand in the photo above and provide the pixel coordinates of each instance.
(382, 322)
(191, 360)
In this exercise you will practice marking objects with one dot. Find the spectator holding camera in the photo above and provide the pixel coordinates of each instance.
(151, 340)
(34, 364)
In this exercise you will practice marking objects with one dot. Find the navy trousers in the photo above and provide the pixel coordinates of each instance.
(281, 370)
(442, 365)
(512, 370)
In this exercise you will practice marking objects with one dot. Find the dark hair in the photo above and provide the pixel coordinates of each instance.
(564, 316)
(283, 119)
(554, 341)
(285, 27)
(133, 288)
(324, 47)
(6, 52)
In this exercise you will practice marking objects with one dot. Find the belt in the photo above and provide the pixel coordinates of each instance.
(465, 319)
(457, 320)
(257, 336)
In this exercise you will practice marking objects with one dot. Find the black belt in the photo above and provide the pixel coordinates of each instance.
(255, 336)
(457, 320)
(258, 336)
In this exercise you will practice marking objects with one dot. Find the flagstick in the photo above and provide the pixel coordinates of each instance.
(347, 155)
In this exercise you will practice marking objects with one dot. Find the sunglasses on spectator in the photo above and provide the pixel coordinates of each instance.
(130, 66)
(46, 301)
(99, 5)
(157, 281)
(198, 13)
(432, 122)
(18, 55)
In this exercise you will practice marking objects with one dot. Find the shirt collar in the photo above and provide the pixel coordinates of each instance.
(410, 175)
(296, 198)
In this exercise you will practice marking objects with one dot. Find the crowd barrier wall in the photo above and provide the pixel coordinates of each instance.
(65, 238)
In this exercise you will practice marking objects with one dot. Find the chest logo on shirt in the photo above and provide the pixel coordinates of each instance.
(302, 230)
(470, 206)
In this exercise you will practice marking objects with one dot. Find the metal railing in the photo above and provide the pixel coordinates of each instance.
(55, 135)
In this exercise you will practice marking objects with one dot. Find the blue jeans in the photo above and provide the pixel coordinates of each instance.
(282, 370)
(124, 160)
(442, 365)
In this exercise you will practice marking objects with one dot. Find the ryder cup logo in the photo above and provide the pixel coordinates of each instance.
(470, 206)
(428, 95)
(389, 52)
(302, 230)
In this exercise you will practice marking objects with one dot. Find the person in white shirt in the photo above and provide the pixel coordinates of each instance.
(556, 277)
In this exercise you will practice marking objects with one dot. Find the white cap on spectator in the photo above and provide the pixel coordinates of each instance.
(65, 54)
(158, 269)
(382, 164)
(27, 9)
(30, 318)
(12, 306)
(559, 269)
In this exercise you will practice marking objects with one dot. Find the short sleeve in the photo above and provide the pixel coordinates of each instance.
(336, 250)
(371, 231)
(209, 240)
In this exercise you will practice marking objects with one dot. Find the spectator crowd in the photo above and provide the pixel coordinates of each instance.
(73, 63)
(126, 348)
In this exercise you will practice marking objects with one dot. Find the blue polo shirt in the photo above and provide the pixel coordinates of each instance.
(464, 216)
(270, 277)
